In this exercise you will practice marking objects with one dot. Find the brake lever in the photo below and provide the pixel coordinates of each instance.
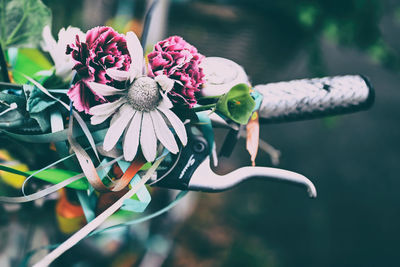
(204, 179)
(192, 172)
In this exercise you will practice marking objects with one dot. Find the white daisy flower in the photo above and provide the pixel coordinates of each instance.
(142, 115)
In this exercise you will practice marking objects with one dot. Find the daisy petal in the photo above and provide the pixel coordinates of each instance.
(165, 83)
(135, 51)
(131, 137)
(94, 120)
(133, 73)
(106, 108)
(117, 126)
(103, 89)
(176, 124)
(119, 75)
(148, 140)
(165, 102)
(163, 133)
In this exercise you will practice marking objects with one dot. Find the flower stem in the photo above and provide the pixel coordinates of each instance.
(204, 107)
(3, 66)
(8, 85)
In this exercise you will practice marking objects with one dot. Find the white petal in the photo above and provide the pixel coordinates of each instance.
(165, 82)
(103, 89)
(66, 35)
(179, 82)
(134, 73)
(148, 140)
(165, 102)
(94, 120)
(163, 133)
(135, 51)
(106, 108)
(131, 137)
(119, 75)
(176, 124)
(117, 126)
(49, 42)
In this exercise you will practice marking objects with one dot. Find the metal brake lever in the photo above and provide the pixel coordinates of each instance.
(192, 171)
(204, 179)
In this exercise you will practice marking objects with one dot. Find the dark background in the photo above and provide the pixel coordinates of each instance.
(352, 159)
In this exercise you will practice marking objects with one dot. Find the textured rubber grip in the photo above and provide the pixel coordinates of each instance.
(313, 98)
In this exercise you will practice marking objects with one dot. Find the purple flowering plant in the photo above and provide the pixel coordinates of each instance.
(102, 49)
(180, 61)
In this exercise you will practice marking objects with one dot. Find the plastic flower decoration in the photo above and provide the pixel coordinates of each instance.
(63, 63)
(142, 110)
(102, 49)
(177, 59)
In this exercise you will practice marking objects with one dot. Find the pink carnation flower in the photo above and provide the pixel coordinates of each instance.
(180, 61)
(103, 49)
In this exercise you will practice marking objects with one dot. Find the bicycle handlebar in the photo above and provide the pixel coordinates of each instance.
(312, 98)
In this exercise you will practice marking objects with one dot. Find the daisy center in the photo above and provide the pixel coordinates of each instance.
(144, 94)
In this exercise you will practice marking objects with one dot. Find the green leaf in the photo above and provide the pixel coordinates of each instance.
(22, 22)
(37, 105)
(29, 61)
(307, 15)
(56, 176)
(53, 176)
(237, 104)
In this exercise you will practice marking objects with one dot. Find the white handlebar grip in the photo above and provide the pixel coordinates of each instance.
(311, 98)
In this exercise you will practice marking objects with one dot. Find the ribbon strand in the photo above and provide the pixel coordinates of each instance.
(90, 171)
(87, 229)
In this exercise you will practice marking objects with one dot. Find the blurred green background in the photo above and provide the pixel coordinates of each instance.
(353, 159)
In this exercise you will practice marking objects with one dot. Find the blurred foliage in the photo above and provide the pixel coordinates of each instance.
(353, 23)
(66, 13)
(27, 61)
(357, 21)
(299, 24)
(21, 25)
(21, 22)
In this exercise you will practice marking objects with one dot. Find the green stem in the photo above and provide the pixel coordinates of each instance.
(3, 22)
(3, 66)
(19, 37)
(8, 85)
(16, 29)
(205, 107)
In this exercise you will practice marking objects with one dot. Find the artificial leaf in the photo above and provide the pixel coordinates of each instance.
(37, 105)
(56, 176)
(29, 61)
(22, 22)
(53, 176)
(53, 81)
(237, 104)
(13, 179)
